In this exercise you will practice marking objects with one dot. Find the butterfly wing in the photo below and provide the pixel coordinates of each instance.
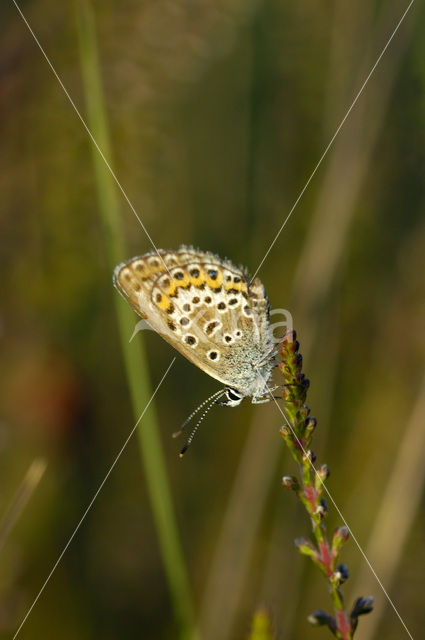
(203, 306)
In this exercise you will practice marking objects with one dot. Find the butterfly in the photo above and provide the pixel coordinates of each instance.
(208, 310)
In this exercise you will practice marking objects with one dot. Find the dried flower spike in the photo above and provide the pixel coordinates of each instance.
(297, 434)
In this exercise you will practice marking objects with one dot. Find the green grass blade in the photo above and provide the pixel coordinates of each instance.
(134, 353)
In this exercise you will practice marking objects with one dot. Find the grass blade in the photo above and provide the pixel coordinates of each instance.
(134, 354)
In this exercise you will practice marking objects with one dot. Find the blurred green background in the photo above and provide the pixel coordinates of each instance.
(217, 114)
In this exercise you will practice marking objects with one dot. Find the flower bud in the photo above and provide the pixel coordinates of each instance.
(304, 411)
(285, 431)
(340, 536)
(309, 456)
(307, 548)
(301, 380)
(309, 426)
(290, 482)
(322, 509)
(285, 370)
(321, 618)
(290, 336)
(362, 606)
(341, 574)
(322, 474)
(289, 342)
(286, 394)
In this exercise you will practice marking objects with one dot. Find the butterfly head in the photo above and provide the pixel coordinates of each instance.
(231, 397)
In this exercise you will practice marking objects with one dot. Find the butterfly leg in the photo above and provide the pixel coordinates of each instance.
(261, 399)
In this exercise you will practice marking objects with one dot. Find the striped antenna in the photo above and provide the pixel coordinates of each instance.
(186, 422)
(216, 396)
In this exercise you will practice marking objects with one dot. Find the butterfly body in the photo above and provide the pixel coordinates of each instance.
(207, 309)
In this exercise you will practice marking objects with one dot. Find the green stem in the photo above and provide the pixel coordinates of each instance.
(134, 354)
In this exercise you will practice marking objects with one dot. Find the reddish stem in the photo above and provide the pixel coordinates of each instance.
(326, 557)
(311, 495)
(343, 625)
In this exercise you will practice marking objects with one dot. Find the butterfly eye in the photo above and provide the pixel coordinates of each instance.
(232, 398)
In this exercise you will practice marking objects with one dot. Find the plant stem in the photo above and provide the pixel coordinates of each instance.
(134, 354)
(309, 488)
